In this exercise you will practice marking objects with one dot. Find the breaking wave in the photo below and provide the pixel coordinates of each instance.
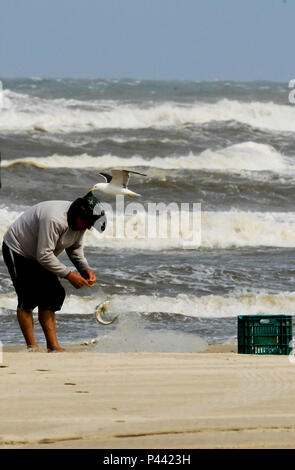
(207, 306)
(152, 231)
(249, 156)
(21, 113)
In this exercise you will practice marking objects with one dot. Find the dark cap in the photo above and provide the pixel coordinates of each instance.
(89, 208)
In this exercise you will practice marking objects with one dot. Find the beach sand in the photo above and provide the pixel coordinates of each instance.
(86, 400)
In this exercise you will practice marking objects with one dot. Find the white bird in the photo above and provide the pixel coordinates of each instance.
(116, 184)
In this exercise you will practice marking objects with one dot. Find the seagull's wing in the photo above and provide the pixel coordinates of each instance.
(120, 177)
(136, 172)
(107, 177)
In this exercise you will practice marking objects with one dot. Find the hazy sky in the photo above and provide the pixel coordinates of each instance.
(152, 39)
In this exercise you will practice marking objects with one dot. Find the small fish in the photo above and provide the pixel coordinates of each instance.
(100, 309)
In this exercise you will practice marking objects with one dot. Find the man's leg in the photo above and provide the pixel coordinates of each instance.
(26, 323)
(48, 322)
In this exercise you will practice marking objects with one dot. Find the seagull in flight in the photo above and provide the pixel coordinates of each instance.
(116, 183)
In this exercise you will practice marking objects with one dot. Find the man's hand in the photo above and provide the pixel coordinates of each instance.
(77, 280)
(89, 276)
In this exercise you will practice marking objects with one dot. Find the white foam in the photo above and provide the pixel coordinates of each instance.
(249, 156)
(24, 113)
(244, 228)
(131, 336)
(5, 102)
(7, 217)
(218, 230)
(207, 306)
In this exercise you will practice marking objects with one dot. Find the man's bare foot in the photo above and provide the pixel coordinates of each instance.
(33, 348)
(56, 349)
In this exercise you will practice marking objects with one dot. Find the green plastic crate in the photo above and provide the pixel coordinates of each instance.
(264, 334)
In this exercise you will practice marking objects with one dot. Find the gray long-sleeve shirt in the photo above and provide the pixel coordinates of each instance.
(42, 233)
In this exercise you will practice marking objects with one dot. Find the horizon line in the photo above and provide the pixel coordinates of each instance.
(231, 80)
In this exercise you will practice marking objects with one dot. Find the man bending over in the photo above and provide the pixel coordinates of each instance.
(31, 247)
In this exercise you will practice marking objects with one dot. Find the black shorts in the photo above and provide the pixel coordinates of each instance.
(35, 286)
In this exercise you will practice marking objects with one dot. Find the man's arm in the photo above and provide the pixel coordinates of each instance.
(76, 255)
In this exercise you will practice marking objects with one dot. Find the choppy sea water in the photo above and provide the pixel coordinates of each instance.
(226, 145)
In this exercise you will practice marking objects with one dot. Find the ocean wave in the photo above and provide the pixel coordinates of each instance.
(21, 113)
(207, 306)
(153, 231)
(249, 156)
(218, 230)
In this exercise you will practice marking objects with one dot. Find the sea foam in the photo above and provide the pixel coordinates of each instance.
(223, 229)
(249, 156)
(207, 306)
(21, 113)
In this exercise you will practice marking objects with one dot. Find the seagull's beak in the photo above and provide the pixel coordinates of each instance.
(92, 189)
